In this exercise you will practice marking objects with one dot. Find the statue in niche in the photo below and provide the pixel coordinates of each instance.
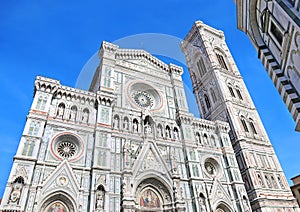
(16, 190)
(173, 160)
(60, 111)
(175, 134)
(100, 195)
(245, 204)
(85, 116)
(126, 124)
(116, 123)
(73, 114)
(202, 202)
(127, 153)
(135, 126)
(148, 129)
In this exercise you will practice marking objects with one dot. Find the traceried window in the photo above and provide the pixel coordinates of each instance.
(244, 124)
(102, 158)
(239, 93)
(221, 61)
(103, 140)
(231, 91)
(252, 126)
(104, 117)
(276, 32)
(213, 95)
(106, 77)
(34, 128)
(201, 67)
(41, 103)
(28, 148)
(207, 102)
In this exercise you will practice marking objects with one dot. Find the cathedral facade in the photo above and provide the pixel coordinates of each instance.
(130, 144)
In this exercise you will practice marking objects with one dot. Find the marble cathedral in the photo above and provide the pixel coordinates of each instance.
(130, 144)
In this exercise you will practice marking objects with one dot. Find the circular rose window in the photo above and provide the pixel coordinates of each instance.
(66, 149)
(144, 96)
(66, 146)
(212, 167)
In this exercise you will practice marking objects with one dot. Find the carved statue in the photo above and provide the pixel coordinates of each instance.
(85, 117)
(127, 152)
(135, 126)
(60, 111)
(100, 199)
(16, 193)
(73, 114)
(175, 134)
(202, 203)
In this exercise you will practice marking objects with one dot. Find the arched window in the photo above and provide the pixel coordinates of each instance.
(107, 77)
(34, 128)
(221, 61)
(198, 138)
(231, 91)
(28, 148)
(207, 102)
(213, 95)
(252, 126)
(201, 67)
(244, 124)
(41, 103)
(239, 93)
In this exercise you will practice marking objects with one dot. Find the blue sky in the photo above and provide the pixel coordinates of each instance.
(56, 38)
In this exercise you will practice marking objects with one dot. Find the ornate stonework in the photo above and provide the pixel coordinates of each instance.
(129, 144)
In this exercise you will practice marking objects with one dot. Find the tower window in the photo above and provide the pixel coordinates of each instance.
(253, 127)
(239, 94)
(107, 77)
(207, 102)
(201, 67)
(276, 33)
(213, 95)
(231, 91)
(222, 61)
(244, 125)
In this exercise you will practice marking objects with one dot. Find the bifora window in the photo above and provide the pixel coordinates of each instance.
(276, 33)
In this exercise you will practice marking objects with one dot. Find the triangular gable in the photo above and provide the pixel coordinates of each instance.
(150, 160)
(218, 194)
(61, 179)
(141, 58)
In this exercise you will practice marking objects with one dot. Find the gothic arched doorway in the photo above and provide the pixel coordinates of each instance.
(58, 203)
(153, 195)
(223, 208)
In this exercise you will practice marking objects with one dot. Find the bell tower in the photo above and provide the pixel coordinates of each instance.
(221, 94)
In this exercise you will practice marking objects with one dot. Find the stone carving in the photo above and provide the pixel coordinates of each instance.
(60, 111)
(100, 200)
(73, 114)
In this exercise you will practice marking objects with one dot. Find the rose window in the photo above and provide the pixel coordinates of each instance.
(67, 146)
(66, 149)
(143, 99)
(142, 95)
(210, 168)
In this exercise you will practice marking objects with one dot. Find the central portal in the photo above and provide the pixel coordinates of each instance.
(153, 195)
